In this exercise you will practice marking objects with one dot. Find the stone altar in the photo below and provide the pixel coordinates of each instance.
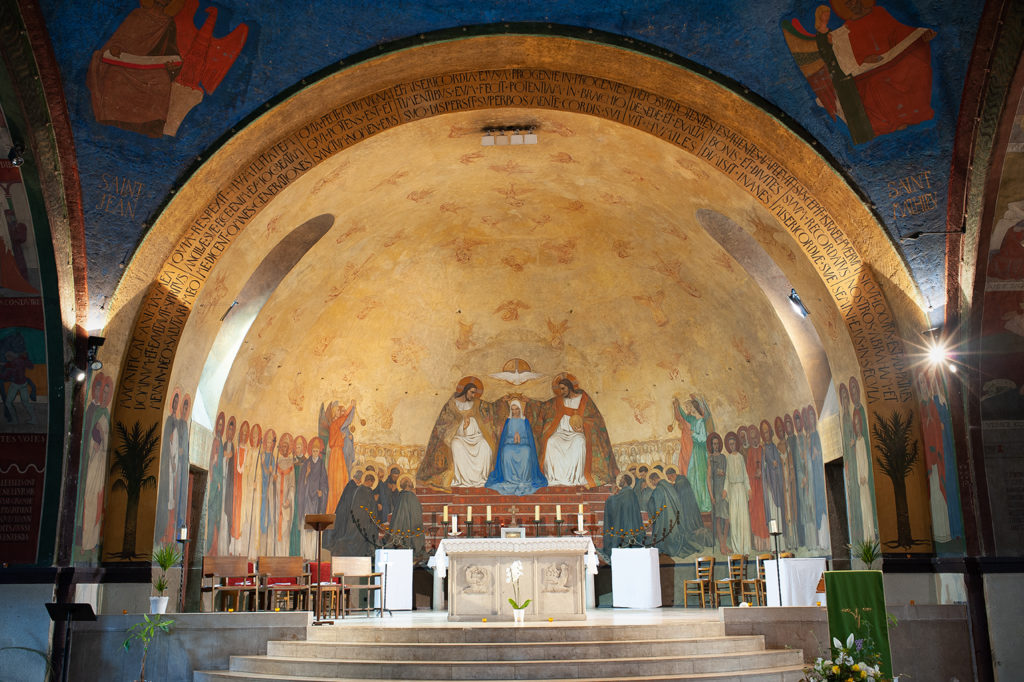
(557, 573)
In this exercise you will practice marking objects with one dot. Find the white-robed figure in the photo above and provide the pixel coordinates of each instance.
(565, 454)
(461, 448)
(471, 453)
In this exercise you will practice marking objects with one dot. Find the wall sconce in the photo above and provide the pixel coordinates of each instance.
(798, 305)
(17, 154)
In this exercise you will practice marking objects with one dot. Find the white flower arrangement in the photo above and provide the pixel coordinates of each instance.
(512, 575)
(855, 660)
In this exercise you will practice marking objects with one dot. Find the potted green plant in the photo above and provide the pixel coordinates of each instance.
(165, 556)
(868, 551)
(144, 632)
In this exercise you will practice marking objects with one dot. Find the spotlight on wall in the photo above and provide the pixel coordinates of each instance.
(798, 305)
(94, 345)
(73, 371)
(17, 154)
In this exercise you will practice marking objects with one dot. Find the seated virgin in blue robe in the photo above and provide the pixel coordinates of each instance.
(516, 468)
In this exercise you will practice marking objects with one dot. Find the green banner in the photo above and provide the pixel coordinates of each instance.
(856, 604)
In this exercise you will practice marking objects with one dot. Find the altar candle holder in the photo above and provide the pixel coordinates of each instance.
(469, 529)
(536, 526)
(489, 531)
(558, 527)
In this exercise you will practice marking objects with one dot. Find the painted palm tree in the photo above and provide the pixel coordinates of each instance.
(899, 453)
(132, 462)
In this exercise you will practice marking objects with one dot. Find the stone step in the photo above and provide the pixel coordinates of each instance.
(607, 668)
(778, 674)
(516, 651)
(540, 632)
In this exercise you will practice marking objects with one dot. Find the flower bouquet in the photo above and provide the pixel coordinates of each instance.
(855, 660)
(512, 575)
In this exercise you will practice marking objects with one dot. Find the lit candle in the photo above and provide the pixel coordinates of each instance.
(469, 514)
(455, 523)
(581, 507)
(558, 512)
(488, 512)
(445, 514)
(579, 523)
(536, 512)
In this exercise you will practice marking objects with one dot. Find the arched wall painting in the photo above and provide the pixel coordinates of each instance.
(24, 394)
(782, 191)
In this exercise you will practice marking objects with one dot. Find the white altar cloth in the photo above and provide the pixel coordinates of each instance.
(439, 562)
(799, 581)
(636, 583)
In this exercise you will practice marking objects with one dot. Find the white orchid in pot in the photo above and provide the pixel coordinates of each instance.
(512, 575)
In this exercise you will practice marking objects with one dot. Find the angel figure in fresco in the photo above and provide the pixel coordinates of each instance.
(572, 438)
(461, 448)
(694, 417)
(517, 468)
(872, 71)
(335, 429)
(157, 65)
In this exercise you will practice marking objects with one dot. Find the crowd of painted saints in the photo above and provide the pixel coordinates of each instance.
(712, 488)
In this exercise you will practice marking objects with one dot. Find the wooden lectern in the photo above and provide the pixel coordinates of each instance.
(319, 523)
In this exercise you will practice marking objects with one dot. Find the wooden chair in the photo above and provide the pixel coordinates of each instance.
(284, 582)
(701, 584)
(730, 585)
(754, 587)
(329, 586)
(357, 578)
(232, 577)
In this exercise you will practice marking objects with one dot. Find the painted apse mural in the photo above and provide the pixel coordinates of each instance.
(684, 410)
(216, 70)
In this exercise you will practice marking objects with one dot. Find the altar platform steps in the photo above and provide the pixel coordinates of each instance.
(694, 652)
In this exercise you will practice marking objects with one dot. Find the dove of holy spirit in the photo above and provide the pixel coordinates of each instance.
(517, 371)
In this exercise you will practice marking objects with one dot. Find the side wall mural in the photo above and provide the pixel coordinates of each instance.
(24, 393)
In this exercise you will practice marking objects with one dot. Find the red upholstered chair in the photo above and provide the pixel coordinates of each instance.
(233, 578)
(329, 587)
(284, 581)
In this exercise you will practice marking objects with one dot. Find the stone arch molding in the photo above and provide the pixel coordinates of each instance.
(834, 231)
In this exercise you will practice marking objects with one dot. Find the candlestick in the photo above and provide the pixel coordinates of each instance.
(469, 529)
(488, 512)
(558, 512)
(469, 514)
(445, 514)
(455, 523)
(536, 512)
(536, 526)
(581, 507)
(558, 527)
(183, 534)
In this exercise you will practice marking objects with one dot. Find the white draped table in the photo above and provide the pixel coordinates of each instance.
(558, 576)
(799, 581)
(636, 583)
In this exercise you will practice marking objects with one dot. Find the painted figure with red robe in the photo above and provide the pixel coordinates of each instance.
(872, 71)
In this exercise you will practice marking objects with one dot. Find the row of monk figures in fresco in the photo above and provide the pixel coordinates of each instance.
(515, 444)
(724, 490)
